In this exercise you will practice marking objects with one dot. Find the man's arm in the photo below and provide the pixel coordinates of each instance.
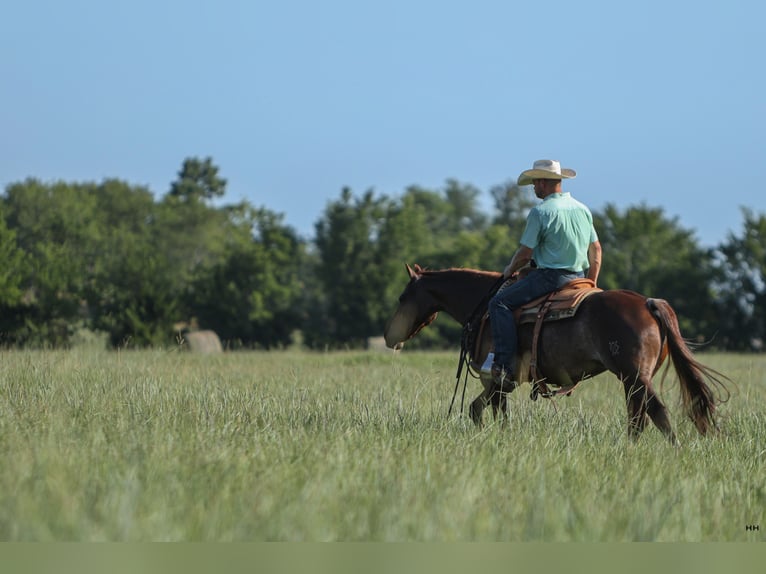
(522, 257)
(594, 260)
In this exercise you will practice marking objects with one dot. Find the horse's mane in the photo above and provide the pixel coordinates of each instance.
(458, 270)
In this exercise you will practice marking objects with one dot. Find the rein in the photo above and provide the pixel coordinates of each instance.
(466, 341)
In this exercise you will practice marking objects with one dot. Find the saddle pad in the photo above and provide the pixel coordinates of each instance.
(563, 303)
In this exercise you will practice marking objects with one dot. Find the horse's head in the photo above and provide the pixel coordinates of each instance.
(417, 308)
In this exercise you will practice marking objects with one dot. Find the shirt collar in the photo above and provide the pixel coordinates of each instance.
(557, 195)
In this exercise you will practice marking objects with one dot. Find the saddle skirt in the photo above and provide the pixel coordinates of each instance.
(561, 304)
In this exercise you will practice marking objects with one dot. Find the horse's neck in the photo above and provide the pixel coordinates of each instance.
(460, 291)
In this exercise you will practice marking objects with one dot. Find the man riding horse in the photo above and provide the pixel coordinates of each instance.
(617, 330)
(560, 238)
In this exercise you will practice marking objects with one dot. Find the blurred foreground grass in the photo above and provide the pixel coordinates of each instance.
(296, 446)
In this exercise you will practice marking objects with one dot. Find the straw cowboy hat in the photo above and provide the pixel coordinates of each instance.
(546, 169)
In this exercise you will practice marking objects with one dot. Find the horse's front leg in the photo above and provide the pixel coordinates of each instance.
(499, 401)
(492, 395)
(476, 409)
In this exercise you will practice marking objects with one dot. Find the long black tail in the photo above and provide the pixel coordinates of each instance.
(697, 396)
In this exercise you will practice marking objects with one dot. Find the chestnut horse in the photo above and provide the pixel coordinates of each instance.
(618, 331)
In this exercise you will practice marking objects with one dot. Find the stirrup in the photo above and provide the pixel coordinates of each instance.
(486, 368)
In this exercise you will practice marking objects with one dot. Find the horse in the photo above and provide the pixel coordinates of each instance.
(619, 331)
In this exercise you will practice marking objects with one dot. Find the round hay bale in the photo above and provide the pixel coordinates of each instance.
(205, 342)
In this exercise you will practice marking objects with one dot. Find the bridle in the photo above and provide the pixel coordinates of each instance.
(423, 324)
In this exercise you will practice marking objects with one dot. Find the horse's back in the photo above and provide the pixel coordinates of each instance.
(620, 306)
(618, 314)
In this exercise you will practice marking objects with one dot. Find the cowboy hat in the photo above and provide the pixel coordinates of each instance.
(545, 169)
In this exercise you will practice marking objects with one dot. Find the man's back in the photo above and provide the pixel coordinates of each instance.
(559, 231)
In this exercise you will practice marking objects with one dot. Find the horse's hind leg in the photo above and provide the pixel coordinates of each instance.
(659, 415)
(635, 396)
(642, 401)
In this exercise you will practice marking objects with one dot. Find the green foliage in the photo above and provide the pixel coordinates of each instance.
(193, 234)
(362, 246)
(56, 226)
(646, 252)
(349, 273)
(741, 285)
(130, 293)
(252, 295)
(134, 301)
(197, 181)
(108, 257)
(512, 204)
(12, 267)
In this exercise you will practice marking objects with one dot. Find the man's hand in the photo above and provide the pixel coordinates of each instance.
(521, 258)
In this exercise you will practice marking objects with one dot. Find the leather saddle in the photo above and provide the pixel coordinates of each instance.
(555, 306)
(561, 304)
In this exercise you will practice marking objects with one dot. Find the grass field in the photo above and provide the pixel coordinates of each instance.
(295, 446)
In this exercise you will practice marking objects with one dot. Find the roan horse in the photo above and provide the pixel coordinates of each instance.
(614, 330)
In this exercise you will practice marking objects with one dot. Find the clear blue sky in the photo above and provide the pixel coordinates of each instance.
(655, 102)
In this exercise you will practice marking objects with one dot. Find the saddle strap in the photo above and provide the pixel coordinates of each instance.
(475, 351)
(538, 385)
(535, 338)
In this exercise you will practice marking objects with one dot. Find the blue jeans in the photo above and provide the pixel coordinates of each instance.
(539, 282)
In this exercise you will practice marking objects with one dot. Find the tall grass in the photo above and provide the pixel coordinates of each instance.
(140, 446)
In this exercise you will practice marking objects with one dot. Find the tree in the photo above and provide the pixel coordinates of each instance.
(404, 238)
(512, 205)
(55, 226)
(646, 252)
(137, 305)
(741, 285)
(193, 233)
(450, 223)
(253, 296)
(198, 180)
(348, 272)
(363, 244)
(12, 267)
(463, 208)
(133, 295)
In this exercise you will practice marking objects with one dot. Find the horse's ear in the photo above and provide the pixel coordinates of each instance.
(410, 272)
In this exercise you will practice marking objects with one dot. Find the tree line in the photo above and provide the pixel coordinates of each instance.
(81, 259)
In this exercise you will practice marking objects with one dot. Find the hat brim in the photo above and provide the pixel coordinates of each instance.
(527, 176)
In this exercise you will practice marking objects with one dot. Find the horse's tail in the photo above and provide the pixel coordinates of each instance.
(697, 396)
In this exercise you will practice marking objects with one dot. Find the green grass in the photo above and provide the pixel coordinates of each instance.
(151, 446)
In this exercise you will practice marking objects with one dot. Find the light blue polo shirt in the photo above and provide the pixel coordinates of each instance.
(559, 231)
